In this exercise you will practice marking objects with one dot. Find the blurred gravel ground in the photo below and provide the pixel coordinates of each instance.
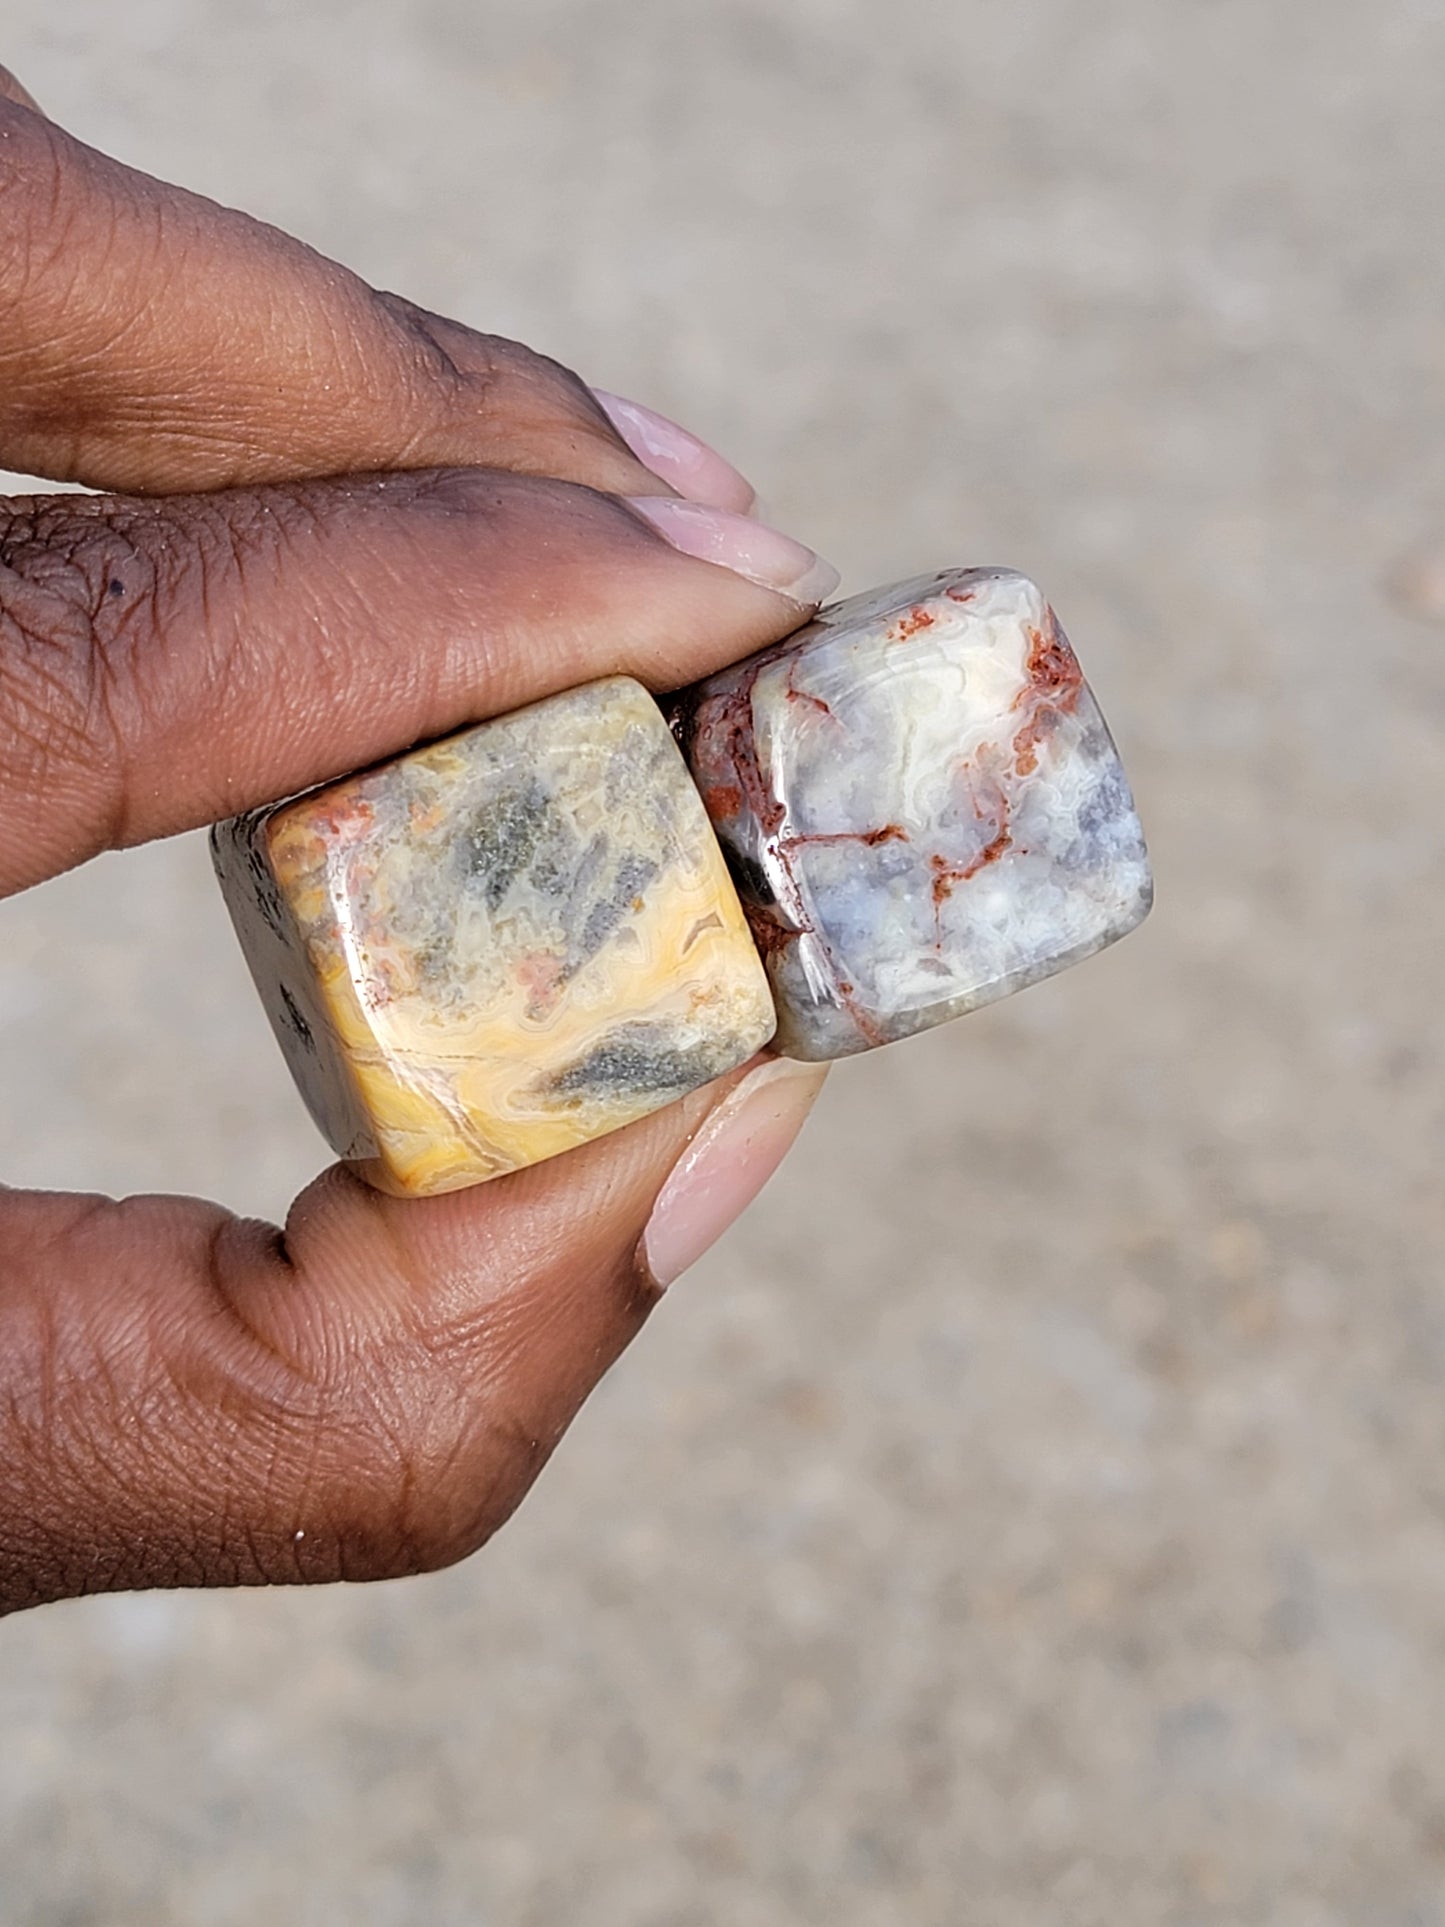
(1035, 1512)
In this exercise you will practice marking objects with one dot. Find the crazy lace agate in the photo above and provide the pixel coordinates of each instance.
(494, 948)
(921, 805)
(497, 947)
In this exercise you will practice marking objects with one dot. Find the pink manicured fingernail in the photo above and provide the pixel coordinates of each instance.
(736, 1151)
(696, 471)
(763, 555)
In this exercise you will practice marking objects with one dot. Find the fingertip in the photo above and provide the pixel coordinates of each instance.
(11, 89)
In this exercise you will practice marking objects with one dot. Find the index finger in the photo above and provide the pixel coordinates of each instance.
(152, 341)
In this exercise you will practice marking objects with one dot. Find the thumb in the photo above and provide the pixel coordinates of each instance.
(189, 1399)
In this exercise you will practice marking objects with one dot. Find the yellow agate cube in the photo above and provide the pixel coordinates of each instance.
(499, 946)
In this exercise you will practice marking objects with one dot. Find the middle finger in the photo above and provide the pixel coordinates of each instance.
(165, 663)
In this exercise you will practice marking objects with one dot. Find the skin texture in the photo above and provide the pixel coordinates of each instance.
(347, 525)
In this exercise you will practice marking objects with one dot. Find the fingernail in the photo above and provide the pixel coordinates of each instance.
(678, 458)
(736, 1151)
(751, 549)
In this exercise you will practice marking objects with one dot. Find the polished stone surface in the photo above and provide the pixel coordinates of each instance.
(922, 805)
(497, 947)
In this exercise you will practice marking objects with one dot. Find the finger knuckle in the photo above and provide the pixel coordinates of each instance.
(57, 715)
(534, 405)
(116, 618)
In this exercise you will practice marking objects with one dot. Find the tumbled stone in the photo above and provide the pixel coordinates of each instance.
(494, 948)
(921, 805)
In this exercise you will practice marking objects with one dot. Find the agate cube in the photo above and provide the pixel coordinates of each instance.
(494, 948)
(921, 805)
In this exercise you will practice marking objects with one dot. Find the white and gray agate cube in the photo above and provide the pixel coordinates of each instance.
(921, 806)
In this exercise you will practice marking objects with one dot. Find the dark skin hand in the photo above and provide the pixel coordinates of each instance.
(345, 525)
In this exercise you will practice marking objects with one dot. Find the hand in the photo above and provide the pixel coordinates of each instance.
(187, 1398)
